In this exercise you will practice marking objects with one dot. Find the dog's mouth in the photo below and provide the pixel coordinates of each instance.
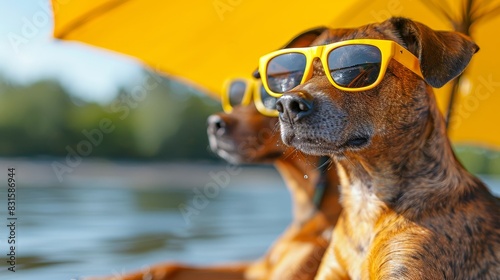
(243, 152)
(327, 147)
(222, 144)
(356, 142)
(225, 150)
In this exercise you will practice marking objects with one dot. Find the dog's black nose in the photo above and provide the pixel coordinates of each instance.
(216, 125)
(293, 107)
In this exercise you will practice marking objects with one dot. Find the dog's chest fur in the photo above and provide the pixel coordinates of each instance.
(358, 225)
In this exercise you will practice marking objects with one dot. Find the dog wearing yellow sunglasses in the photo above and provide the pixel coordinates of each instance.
(410, 210)
(247, 133)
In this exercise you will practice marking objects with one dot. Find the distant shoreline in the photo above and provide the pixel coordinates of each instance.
(92, 172)
(111, 173)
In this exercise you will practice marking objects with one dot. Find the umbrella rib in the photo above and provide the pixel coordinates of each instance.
(467, 19)
(475, 9)
(92, 14)
(488, 14)
(462, 25)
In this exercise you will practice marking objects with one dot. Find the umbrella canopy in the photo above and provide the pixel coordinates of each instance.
(203, 41)
(206, 41)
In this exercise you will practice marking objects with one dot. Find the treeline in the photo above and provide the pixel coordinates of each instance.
(157, 119)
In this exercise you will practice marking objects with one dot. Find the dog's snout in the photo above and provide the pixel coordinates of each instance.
(216, 125)
(293, 107)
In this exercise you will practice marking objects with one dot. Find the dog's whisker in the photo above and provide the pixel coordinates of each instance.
(328, 163)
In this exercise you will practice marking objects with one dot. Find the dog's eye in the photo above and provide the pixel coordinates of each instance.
(357, 76)
(236, 93)
(285, 71)
(268, 100)
(354, 66)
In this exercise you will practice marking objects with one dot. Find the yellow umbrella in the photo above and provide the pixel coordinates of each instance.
(203, 41)
(206, 41)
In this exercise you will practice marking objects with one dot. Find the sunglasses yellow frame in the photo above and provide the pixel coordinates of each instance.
(388, 50)
(252, 88)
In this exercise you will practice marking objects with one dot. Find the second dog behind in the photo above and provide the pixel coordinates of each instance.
(298, 252)
(246, 136)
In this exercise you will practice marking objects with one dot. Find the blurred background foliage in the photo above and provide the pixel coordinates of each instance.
(158, 119)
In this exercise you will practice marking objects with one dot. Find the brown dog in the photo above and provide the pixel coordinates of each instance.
(411, 211)
(246, 136)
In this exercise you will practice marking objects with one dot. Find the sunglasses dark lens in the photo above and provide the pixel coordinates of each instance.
(236, 93)
(355, 66)
(268, 100)
(285, 71)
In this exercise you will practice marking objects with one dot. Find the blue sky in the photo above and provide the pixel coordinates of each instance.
(28, 53)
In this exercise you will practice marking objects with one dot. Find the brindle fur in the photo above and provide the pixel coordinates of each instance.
(411, 211)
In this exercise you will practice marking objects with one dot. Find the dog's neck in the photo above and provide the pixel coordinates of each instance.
(301, 174)
(395, 176)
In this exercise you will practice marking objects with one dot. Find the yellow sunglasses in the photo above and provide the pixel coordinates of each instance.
(239, 91)
(352, 65)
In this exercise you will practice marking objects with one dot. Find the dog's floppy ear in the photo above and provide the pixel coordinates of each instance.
(304, 39)
(443, 55)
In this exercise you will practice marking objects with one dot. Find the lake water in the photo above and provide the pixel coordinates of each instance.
(104, 219)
